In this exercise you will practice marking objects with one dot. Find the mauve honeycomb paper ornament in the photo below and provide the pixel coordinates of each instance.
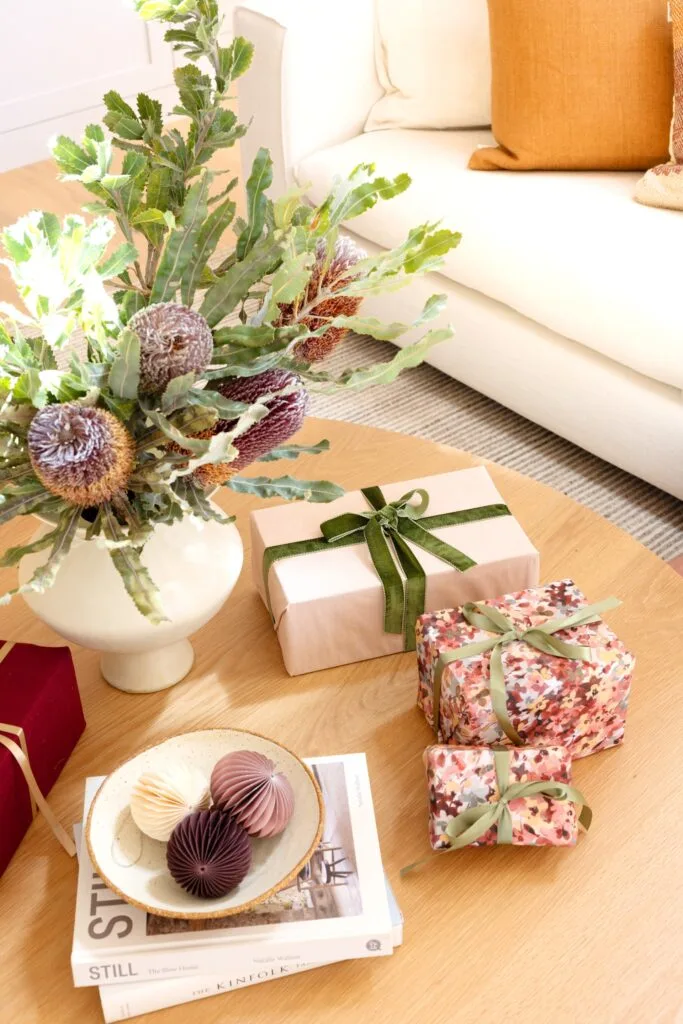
(259, 797)
(208, 854)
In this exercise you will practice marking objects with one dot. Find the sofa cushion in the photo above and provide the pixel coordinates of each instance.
(433, 62)
(579, 84)
(572, 251)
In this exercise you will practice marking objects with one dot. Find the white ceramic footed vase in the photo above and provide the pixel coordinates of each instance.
(194, 563)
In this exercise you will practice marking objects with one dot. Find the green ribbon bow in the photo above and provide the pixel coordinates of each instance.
(395, 521)
(470, 825)
(473, 823)
(541, 637)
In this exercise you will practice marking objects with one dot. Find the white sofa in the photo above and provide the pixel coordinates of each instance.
(565, 294)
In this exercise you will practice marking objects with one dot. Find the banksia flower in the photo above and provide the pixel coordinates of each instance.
(338, 274)
(173, 340)
(286, 415)
(82, 454)
(211, 474)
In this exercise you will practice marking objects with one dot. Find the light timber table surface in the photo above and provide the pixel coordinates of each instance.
(591, 935)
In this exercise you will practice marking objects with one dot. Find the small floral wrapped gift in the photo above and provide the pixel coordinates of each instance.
(521, 796)
(536, 666)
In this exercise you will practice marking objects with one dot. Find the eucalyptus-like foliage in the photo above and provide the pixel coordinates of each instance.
(262, 302)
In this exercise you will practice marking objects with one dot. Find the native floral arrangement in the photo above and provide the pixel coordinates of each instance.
(192, 366)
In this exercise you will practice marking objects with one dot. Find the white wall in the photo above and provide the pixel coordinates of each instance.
(59, 60)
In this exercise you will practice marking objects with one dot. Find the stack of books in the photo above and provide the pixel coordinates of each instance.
(341, 907)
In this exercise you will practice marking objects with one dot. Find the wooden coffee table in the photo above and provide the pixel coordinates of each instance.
(590, 935)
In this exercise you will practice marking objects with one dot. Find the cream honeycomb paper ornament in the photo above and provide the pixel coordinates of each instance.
(160, 800)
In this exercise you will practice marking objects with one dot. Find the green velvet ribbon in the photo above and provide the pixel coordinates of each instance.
(470, 825)
(397, 522)
(541, 637)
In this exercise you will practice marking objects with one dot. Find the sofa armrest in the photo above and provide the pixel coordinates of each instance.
(313, 80)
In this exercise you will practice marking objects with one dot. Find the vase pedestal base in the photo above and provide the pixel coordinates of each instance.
(148, 671)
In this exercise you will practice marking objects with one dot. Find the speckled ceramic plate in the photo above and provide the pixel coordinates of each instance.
(134, 866)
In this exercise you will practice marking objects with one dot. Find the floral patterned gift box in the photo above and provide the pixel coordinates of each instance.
(536, 666)
(521, 796)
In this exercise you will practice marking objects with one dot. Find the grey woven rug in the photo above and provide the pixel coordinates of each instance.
(426, 403)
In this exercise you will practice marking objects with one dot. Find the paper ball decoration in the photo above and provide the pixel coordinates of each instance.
(160, 800)
(258, 796)
(208, 854)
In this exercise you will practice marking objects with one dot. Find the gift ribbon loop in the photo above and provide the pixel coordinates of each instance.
(387, 527)
(470, 825)
(34, 789)
(541, 637)
(475, 822)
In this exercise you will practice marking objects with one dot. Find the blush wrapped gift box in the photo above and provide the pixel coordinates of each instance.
(39, 695)
(482, 797)
(575, 696)
(326, 597)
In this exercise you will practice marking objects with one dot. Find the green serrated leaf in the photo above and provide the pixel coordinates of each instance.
(118, 261)
(124, 376)
(222, 297)
(174, 431)
(290, 281)
(405, 358)
(150, 112)
(148, 217)
(197, 500)
(286, 487)
(225, 408)
(285, 208)
(179, 247)
(62, 538)
(126, 128)
(115, 102)
(369, 325)
(14, 555)
(158, 188)
(260, 178)
(135, 576)
(208, 238)
(51, 229)
(252, 336)
(293, 451)
(70, 157)
(352, 196)
(134, 164)
(235, 59)
(175, 394)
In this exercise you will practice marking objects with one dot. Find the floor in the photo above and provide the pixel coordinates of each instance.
(425, 402)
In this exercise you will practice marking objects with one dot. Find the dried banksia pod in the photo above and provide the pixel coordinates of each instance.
(208, 854)
(173, 340)
(287, 413)
(246, 783)
(83, 454)
(334, 278)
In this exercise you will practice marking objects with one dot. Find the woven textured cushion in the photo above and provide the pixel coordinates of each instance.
(579, 85)
(433, 63)
(663, 185)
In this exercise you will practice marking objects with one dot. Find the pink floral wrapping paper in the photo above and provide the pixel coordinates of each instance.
(462, 777)
(575, 704)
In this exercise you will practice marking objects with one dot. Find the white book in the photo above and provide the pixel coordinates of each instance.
(129, 999)
(336, 910)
